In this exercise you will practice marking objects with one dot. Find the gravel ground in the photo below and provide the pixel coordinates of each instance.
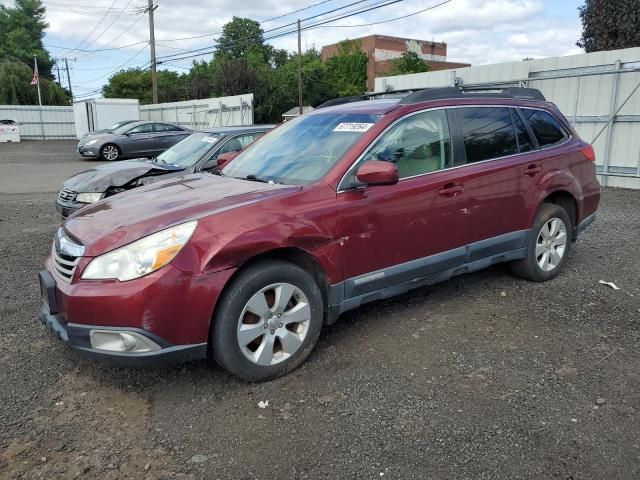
(485, 376)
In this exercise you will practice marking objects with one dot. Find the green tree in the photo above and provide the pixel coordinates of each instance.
(409, 62)
(347, 71)
(16, 88)
(21, 31)
(609, 24)
(136, 83)
(241, 36)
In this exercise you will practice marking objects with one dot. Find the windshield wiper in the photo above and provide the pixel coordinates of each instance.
(253, 178)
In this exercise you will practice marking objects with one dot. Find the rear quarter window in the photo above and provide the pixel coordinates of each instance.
(545, 127)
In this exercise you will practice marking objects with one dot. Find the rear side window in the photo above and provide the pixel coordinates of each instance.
(488, 132)
(547, 129)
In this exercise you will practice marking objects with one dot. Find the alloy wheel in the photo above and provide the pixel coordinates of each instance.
(110, 152)
(274, 324)
(551, 244)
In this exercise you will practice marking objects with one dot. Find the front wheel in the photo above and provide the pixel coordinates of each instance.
(267, 322)
(548, 245)
(109, 152)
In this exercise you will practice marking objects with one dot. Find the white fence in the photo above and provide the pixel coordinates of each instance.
(205, 113)
(41, 123)
(53, 123)
(598, 92)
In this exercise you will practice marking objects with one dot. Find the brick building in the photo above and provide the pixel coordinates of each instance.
(381, 48)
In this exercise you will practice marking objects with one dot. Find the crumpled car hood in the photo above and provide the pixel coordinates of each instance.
(117, 174)
(131, 215)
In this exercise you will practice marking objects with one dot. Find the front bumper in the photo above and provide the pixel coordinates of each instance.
(169, 307)
(67, 208)
(77, 337)
(89, 152)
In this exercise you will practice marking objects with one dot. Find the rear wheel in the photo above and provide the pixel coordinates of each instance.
(109, 152)
(267, 322)
(548, 245)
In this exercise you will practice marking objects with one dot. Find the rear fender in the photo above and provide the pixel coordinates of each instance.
(556, 181)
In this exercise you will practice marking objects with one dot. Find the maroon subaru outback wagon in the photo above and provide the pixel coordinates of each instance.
(355, 202)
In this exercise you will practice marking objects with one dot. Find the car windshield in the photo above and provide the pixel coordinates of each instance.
(117, 125)
(302, 150)
(124, 128)
(187, 152)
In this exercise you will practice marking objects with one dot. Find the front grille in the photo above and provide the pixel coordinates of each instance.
(67, 195)
(65, 265)
(65, 254)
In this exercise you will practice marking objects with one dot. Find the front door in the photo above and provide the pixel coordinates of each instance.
(391, 234)
(138, 140)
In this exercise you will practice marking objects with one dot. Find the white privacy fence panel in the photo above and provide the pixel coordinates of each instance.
(204, 113)
(46, 123)
(598, 92)
(56, 123)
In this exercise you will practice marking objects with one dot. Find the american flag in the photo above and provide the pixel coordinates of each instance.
(36, 76)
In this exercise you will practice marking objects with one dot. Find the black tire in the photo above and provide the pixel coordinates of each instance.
(529, 267)
(107, 157)
(226, 348)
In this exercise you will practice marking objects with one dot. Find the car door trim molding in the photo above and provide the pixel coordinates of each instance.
(397, 279)
(341, 189)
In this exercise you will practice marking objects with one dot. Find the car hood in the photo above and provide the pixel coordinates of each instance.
(129, 216)
(99, 136)
(100, 178)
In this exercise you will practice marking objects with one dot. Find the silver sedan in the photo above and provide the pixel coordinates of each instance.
(133, 140)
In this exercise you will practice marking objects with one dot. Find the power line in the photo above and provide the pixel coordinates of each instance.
(109, 26)
(351, 13)
(198, 36)
(295, 11)
(385, 21)
(205, 51)
(96, 27)
(117, 36)
(126, 63)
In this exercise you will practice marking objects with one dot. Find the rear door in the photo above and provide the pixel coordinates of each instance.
(499, 175)
(390, 234)
(166, 136)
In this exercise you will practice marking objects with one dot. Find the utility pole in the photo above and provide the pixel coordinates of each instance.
(58, 70)
(152, 41)
(66, 64)
(299, 68)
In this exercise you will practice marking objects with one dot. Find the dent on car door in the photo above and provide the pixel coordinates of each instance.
(415, 228)
(499, 175)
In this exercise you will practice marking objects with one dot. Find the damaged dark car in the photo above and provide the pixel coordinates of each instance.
(199, 152)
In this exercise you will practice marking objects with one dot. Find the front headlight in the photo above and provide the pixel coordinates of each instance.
(142, 256)
(91, 142)
(89, 197)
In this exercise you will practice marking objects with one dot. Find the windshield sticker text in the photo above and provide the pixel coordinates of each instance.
(353, 127)
(209, 139)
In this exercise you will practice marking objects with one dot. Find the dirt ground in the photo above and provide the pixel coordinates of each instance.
(485, 376)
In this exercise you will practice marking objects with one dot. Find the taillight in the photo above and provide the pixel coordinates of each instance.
(588, 152)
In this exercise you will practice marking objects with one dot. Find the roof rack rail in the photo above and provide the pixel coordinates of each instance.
(414, 95)
(427, 94)
(366, 96)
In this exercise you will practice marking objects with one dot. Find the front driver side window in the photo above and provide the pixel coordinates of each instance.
(417, 144)
(144, 128)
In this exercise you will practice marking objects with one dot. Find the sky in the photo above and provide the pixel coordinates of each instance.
(476, 31)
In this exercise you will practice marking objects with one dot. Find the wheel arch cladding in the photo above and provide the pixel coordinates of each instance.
(294, 255)
(567, 201)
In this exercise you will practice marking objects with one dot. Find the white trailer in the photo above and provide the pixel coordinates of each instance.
(101, 113)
